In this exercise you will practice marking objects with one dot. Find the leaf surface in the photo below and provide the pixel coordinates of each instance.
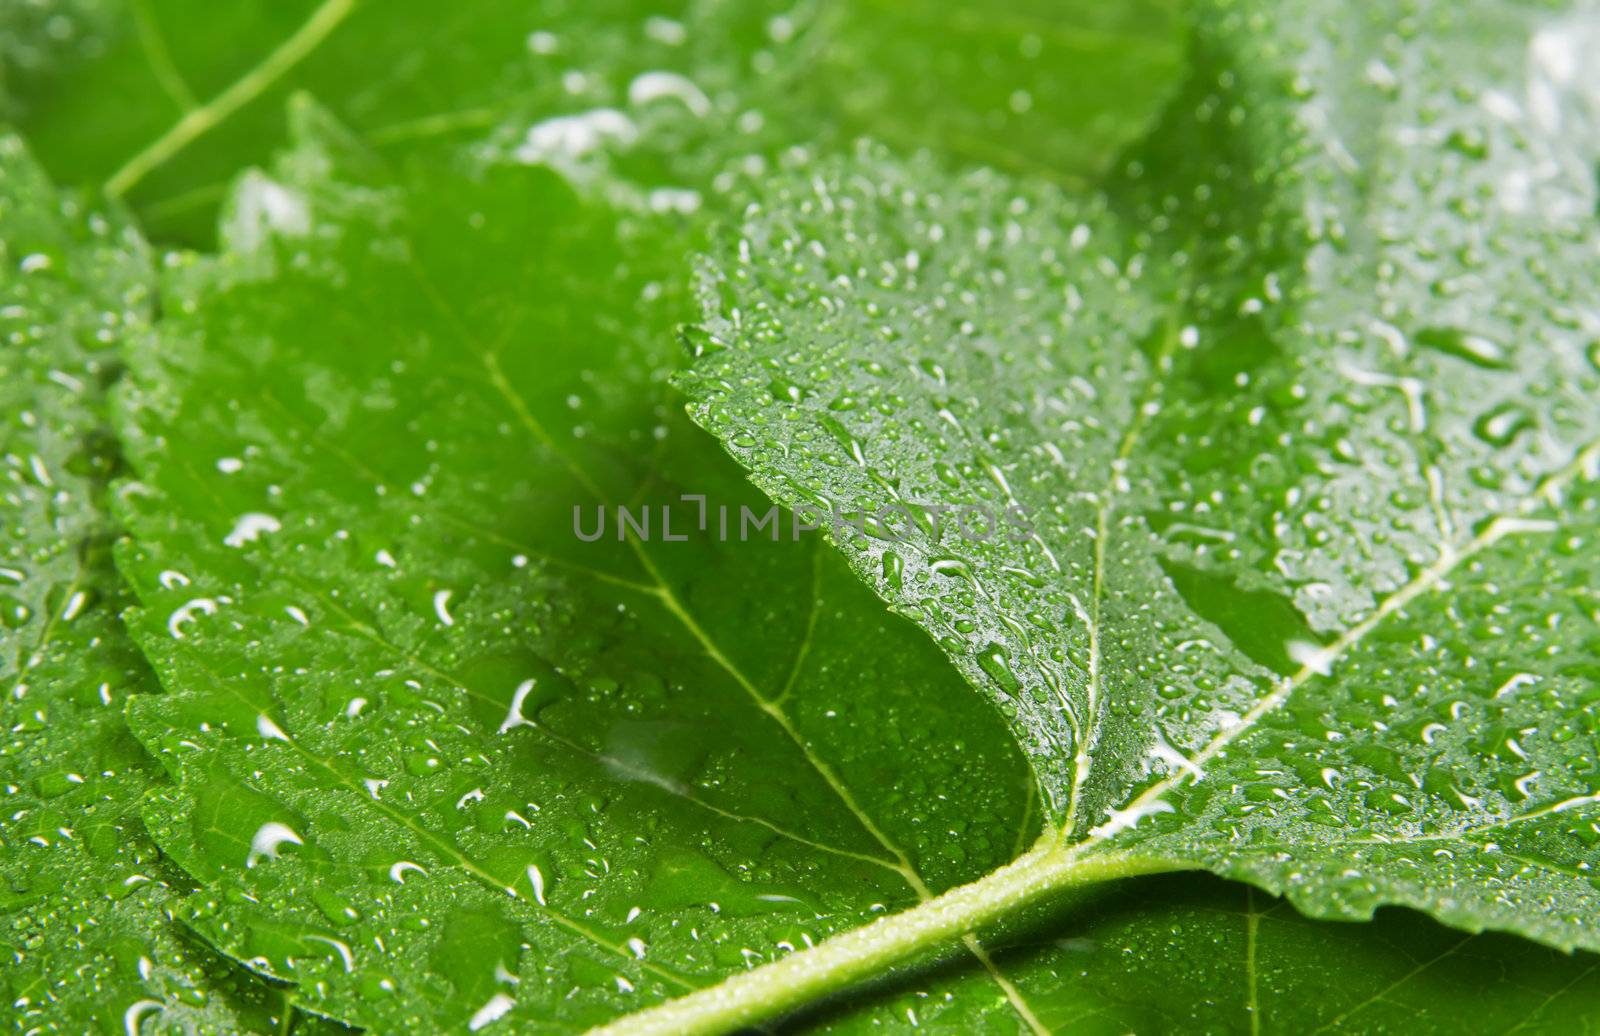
(1302, 415)
(299, 374)
(337, 480)
(86, 899)
(1046, 88)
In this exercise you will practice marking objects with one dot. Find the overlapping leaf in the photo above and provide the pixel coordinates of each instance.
(86, 900)
(1303, 417)
(301, 512)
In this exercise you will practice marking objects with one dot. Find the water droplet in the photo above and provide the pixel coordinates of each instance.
(269, 840)
(1464, 345)
(14, 612)
(996, 664)
(893, 569)
(1501, 425)
(786, 391)
(251, 527)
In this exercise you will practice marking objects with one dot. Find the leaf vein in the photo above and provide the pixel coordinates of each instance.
(196, 122)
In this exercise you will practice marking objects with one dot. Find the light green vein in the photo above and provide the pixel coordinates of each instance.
(669, 599)
(1515, 521)
(1088, 727)
(1333, 1023)
(811, 626)
(377, 639)
(198, 121)
(1555, 995)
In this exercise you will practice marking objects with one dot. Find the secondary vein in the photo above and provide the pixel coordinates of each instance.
(159, 57)
(1252, 925)
(1333, 1023)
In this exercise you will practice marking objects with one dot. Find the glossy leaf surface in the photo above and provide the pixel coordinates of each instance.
(570, 677)
(1191, 953)
(442, 764)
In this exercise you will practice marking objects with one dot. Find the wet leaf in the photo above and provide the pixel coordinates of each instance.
(1299, 424)
(1041, 87)
(439, 762)
(85, 897)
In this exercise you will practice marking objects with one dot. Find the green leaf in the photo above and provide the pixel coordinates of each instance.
(86, 899)
(274, 390)
(167, 100)
(438, 759)
(1305, 431)
(199, 94)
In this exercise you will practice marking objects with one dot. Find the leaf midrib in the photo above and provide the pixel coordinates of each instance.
(1088, 736)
